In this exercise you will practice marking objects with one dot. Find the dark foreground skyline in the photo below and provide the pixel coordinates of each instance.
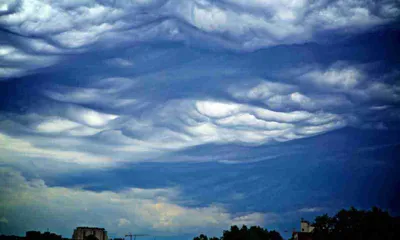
(187, 117)
(347, 224)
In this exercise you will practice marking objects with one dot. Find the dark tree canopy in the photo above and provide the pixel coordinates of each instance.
(357, 225)
(245, 233)
(91, 237)
(201, 237)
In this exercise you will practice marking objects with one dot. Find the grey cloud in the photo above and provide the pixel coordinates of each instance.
(66, 27)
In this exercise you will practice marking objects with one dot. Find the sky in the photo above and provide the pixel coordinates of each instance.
(174, 118)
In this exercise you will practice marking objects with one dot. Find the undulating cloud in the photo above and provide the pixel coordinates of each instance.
(65, 27)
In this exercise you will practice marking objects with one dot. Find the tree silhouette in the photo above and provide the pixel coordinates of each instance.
(201, 237)
(245, 233)
(357, 225)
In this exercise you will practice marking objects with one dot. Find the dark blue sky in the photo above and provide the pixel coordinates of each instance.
(177, 118)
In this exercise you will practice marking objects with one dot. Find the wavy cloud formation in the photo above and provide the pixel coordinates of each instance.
(68, 27)
(125, 110)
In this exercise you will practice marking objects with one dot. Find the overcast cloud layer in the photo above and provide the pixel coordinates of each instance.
(182, 117)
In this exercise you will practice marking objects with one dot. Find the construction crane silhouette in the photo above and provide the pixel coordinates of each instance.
(130, 235)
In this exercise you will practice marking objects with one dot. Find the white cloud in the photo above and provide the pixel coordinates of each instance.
(250, 120)
(103, 92)
(123, 221)
(341, 78)
(380, 91)
(3, 220)
(286, 97)
(261, 91)
(89, 117)
(314, 102)
(227, 122)
(216, 109)
(173, 126)
(20, 61)
(249, 219)
(116, 211)
(310, 130)
(22, 148)
(310, 209)
(220, 109)
(383, 107)
(80, 38)
(120, 62)
(65, 119)
(11, 72)
(353, 81)
(56, 125)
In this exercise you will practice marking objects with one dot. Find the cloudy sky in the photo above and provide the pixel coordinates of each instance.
(175, 118)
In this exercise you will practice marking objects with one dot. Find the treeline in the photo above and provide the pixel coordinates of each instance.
(349, 224)
(357, 225)
(34, 235)
(253, 232)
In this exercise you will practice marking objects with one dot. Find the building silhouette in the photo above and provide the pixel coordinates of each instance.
(305, 233)
(92, 233)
